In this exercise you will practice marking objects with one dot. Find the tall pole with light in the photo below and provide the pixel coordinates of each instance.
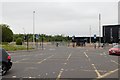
(90, 34)
(99, 29)
(33, 29)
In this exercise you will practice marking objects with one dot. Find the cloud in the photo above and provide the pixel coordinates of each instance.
(69, 18)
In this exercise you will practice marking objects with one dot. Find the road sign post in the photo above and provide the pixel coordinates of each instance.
(36, 40)
(27, 42)
(73, 39)
(42, 43)
(95, 41)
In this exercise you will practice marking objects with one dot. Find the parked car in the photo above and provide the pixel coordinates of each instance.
(5, 62)
(115, 50)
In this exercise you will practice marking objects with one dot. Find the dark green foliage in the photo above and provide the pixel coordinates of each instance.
(7, 34)
(19, 41)
(46, 38)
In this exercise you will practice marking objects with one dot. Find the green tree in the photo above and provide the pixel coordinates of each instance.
(19, 41)
(7, 34)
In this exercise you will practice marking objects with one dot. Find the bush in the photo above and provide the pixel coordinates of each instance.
(19, 41)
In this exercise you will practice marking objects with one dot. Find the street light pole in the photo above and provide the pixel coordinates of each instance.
(23, 30)
(33, 29)
(90, 34)
(99, 29)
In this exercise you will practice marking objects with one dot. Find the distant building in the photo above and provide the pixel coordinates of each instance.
(111, 33)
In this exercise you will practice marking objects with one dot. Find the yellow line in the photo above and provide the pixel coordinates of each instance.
(107, 74)
(69, 57)
(97, 72)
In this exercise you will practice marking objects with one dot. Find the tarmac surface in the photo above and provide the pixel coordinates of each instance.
(64, 63)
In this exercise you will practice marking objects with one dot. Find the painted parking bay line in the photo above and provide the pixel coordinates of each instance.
(60, 73)
(69, 56)
(86, 54)
(97, 72)
(32, 62)
(115, 62)
(93, 65)
(107, 74)
(20, 60)
(45, 59)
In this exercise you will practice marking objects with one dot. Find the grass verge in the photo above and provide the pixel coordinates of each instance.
(15, 47)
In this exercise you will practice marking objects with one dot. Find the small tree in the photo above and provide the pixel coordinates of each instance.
(19, 41)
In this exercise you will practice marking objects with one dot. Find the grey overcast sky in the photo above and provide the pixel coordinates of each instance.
(52, 18)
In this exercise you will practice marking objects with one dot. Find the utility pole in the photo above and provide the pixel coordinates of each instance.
(24, 35)
(99, 30)
(90, 34)
(33, 29)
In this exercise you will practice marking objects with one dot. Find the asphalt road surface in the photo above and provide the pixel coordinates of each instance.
(64, 62)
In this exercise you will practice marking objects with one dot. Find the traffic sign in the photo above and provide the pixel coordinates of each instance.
(94, 36)
(37, 36)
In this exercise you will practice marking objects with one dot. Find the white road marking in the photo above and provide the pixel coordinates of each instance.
(30, 77)
(60, 73)
(51, 49)
(46, 74)
(45, 59)
(30, 68)
(53, 72)
(104, 53)
(25, 62)
(115, 62)
(39, 75)
(107, 74)
(86, 54)
(95, 69)
(14, 76)
(20, 60)
(65, 63)
(98, 74)
(69, 56)
(62, 69)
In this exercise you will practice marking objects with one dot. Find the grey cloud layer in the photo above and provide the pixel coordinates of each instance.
(69, 18)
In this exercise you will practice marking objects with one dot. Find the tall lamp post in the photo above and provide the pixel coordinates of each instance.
(33, 29)
(90, 34)
(99, 30)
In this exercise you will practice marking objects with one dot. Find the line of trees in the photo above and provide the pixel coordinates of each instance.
(46, 38)
(7, 36)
